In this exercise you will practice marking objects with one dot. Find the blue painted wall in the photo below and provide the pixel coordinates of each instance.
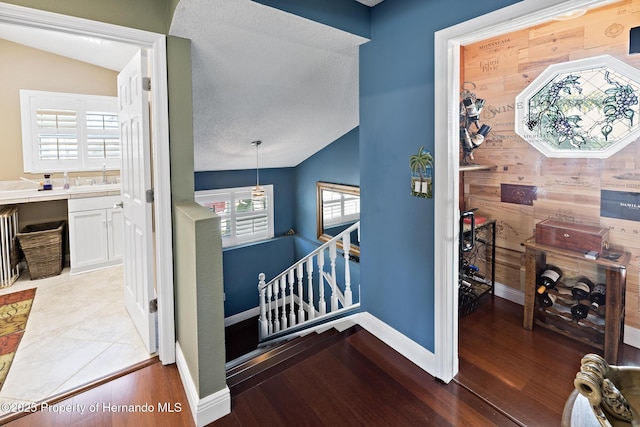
(242, 264)
(346, 15)
(396, 118)
(337, 163)
(294, 207)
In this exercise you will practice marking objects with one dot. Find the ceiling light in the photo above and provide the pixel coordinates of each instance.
(257, 193)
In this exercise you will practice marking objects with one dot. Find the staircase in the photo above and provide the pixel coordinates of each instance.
(267, 362)
(297, 297)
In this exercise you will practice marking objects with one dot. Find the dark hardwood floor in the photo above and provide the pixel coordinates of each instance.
(526, 374)
(508, 377)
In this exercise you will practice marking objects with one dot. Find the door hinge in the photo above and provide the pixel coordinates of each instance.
(153, 305)
(149, 195)
(146, 84)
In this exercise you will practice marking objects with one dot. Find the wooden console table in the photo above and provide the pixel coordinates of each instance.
(616, 276)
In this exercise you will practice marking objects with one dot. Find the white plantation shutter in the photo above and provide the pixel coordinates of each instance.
(69, 132)
(339, 208)
(57, 134)
(243, 220)
(103, 135)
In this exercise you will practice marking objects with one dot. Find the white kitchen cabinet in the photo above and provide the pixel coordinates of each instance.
(95, 233)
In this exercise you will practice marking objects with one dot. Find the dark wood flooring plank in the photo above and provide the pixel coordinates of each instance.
(527, 374)
(456, 404)
(151, 386)
(357, 394)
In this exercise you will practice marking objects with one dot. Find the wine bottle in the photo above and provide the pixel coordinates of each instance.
(549, 278)
(597, 296)
(580, 311)
(547, 300)
(582, 289)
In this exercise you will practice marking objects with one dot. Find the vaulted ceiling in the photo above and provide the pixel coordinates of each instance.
(258, 74)
(262, 74)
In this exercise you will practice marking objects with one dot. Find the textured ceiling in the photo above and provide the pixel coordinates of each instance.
(260, 73)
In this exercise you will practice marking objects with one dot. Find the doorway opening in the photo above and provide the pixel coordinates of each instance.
(448, 45)
(155, 44)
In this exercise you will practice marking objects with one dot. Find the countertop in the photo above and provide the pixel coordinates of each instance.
(75, 192)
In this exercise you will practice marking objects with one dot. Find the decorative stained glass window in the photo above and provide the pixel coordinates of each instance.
(584, 108)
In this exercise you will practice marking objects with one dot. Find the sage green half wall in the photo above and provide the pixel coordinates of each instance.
(148, 15)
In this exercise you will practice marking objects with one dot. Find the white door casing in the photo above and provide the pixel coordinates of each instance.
(447, 43)
(135, 173)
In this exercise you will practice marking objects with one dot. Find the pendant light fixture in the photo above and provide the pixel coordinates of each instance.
(257, 193)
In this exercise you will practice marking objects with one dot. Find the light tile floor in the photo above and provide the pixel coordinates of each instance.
(78, 331)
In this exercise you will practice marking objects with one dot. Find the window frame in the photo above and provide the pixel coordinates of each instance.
(31, 101)
(204, 196)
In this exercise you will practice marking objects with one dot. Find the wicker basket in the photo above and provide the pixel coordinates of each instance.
(42, 248)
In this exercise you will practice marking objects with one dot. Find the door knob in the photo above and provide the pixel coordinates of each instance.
(118, 205)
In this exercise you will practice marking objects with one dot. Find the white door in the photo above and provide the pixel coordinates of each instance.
(136, 211)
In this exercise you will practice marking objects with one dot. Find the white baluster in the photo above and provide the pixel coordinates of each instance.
(292, 303)
(283, 298)
(299, 273)
(332, 257)
(346, 246)
(322, 305)
(312, 311)
(264, 327)
(275, 320)
(269, 309)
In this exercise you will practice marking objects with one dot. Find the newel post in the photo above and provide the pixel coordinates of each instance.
(264, 324)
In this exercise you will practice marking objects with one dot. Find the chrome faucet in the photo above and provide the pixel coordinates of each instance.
(104, 173)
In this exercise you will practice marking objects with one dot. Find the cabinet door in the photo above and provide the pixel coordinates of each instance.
(87, 239)
(116, 233)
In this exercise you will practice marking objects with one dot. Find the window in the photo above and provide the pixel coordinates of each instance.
(69, 132)
(243, 219)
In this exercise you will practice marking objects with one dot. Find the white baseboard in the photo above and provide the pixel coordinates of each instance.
(204, 410)
(237, 318)
(399, 342)
(509, 293)
(632, 336)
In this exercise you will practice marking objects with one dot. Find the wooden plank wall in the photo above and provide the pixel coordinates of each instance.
(497, 70)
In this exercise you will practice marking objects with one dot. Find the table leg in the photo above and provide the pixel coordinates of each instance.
(529, 288)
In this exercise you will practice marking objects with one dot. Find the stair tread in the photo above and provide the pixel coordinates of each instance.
(263, 367)
(269, 352)
(280, 351)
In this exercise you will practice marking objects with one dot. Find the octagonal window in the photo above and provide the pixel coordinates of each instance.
(584, 108)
